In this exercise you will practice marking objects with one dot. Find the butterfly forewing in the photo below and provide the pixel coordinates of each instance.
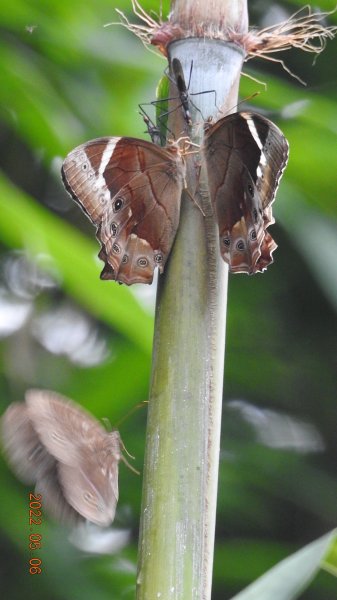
(245, 157)
(131, 190)
(63, 426)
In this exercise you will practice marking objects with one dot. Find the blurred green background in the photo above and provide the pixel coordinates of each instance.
(64, 79)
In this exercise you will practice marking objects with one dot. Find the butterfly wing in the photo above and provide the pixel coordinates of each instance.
(131, 191)
(91, 487)
(53, 497)
(245, 157)
(87, 456)
(51, 441)
(64, 428)
(32, 463)
(23, 448)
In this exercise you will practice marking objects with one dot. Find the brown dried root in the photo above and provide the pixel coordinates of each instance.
(303, 31)
(146, 32)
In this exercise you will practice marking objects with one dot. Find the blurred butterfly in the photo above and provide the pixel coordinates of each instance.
(54, 443)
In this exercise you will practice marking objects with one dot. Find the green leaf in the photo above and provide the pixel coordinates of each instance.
(291, 576)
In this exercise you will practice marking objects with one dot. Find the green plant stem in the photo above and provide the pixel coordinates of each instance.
(183, 430)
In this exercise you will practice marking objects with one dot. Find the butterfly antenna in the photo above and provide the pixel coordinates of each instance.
(250, 97)
(235, 107)
(136, 407)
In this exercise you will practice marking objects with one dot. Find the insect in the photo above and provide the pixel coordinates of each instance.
(131, 191)
(61, 448)
(176, 75)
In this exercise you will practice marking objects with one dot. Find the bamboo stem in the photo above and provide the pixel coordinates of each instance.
(184, 418)
(216, 15)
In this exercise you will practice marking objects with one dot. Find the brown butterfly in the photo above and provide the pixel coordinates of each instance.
(246, 155)
(54, 443)
(131, 190)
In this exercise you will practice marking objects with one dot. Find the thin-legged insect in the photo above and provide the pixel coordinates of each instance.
(184, 96)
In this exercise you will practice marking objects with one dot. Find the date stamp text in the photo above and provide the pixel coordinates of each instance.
(35, 519)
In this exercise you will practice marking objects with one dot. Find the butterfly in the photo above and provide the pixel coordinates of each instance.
(246, 155)
(54, 443)
(131, 191)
